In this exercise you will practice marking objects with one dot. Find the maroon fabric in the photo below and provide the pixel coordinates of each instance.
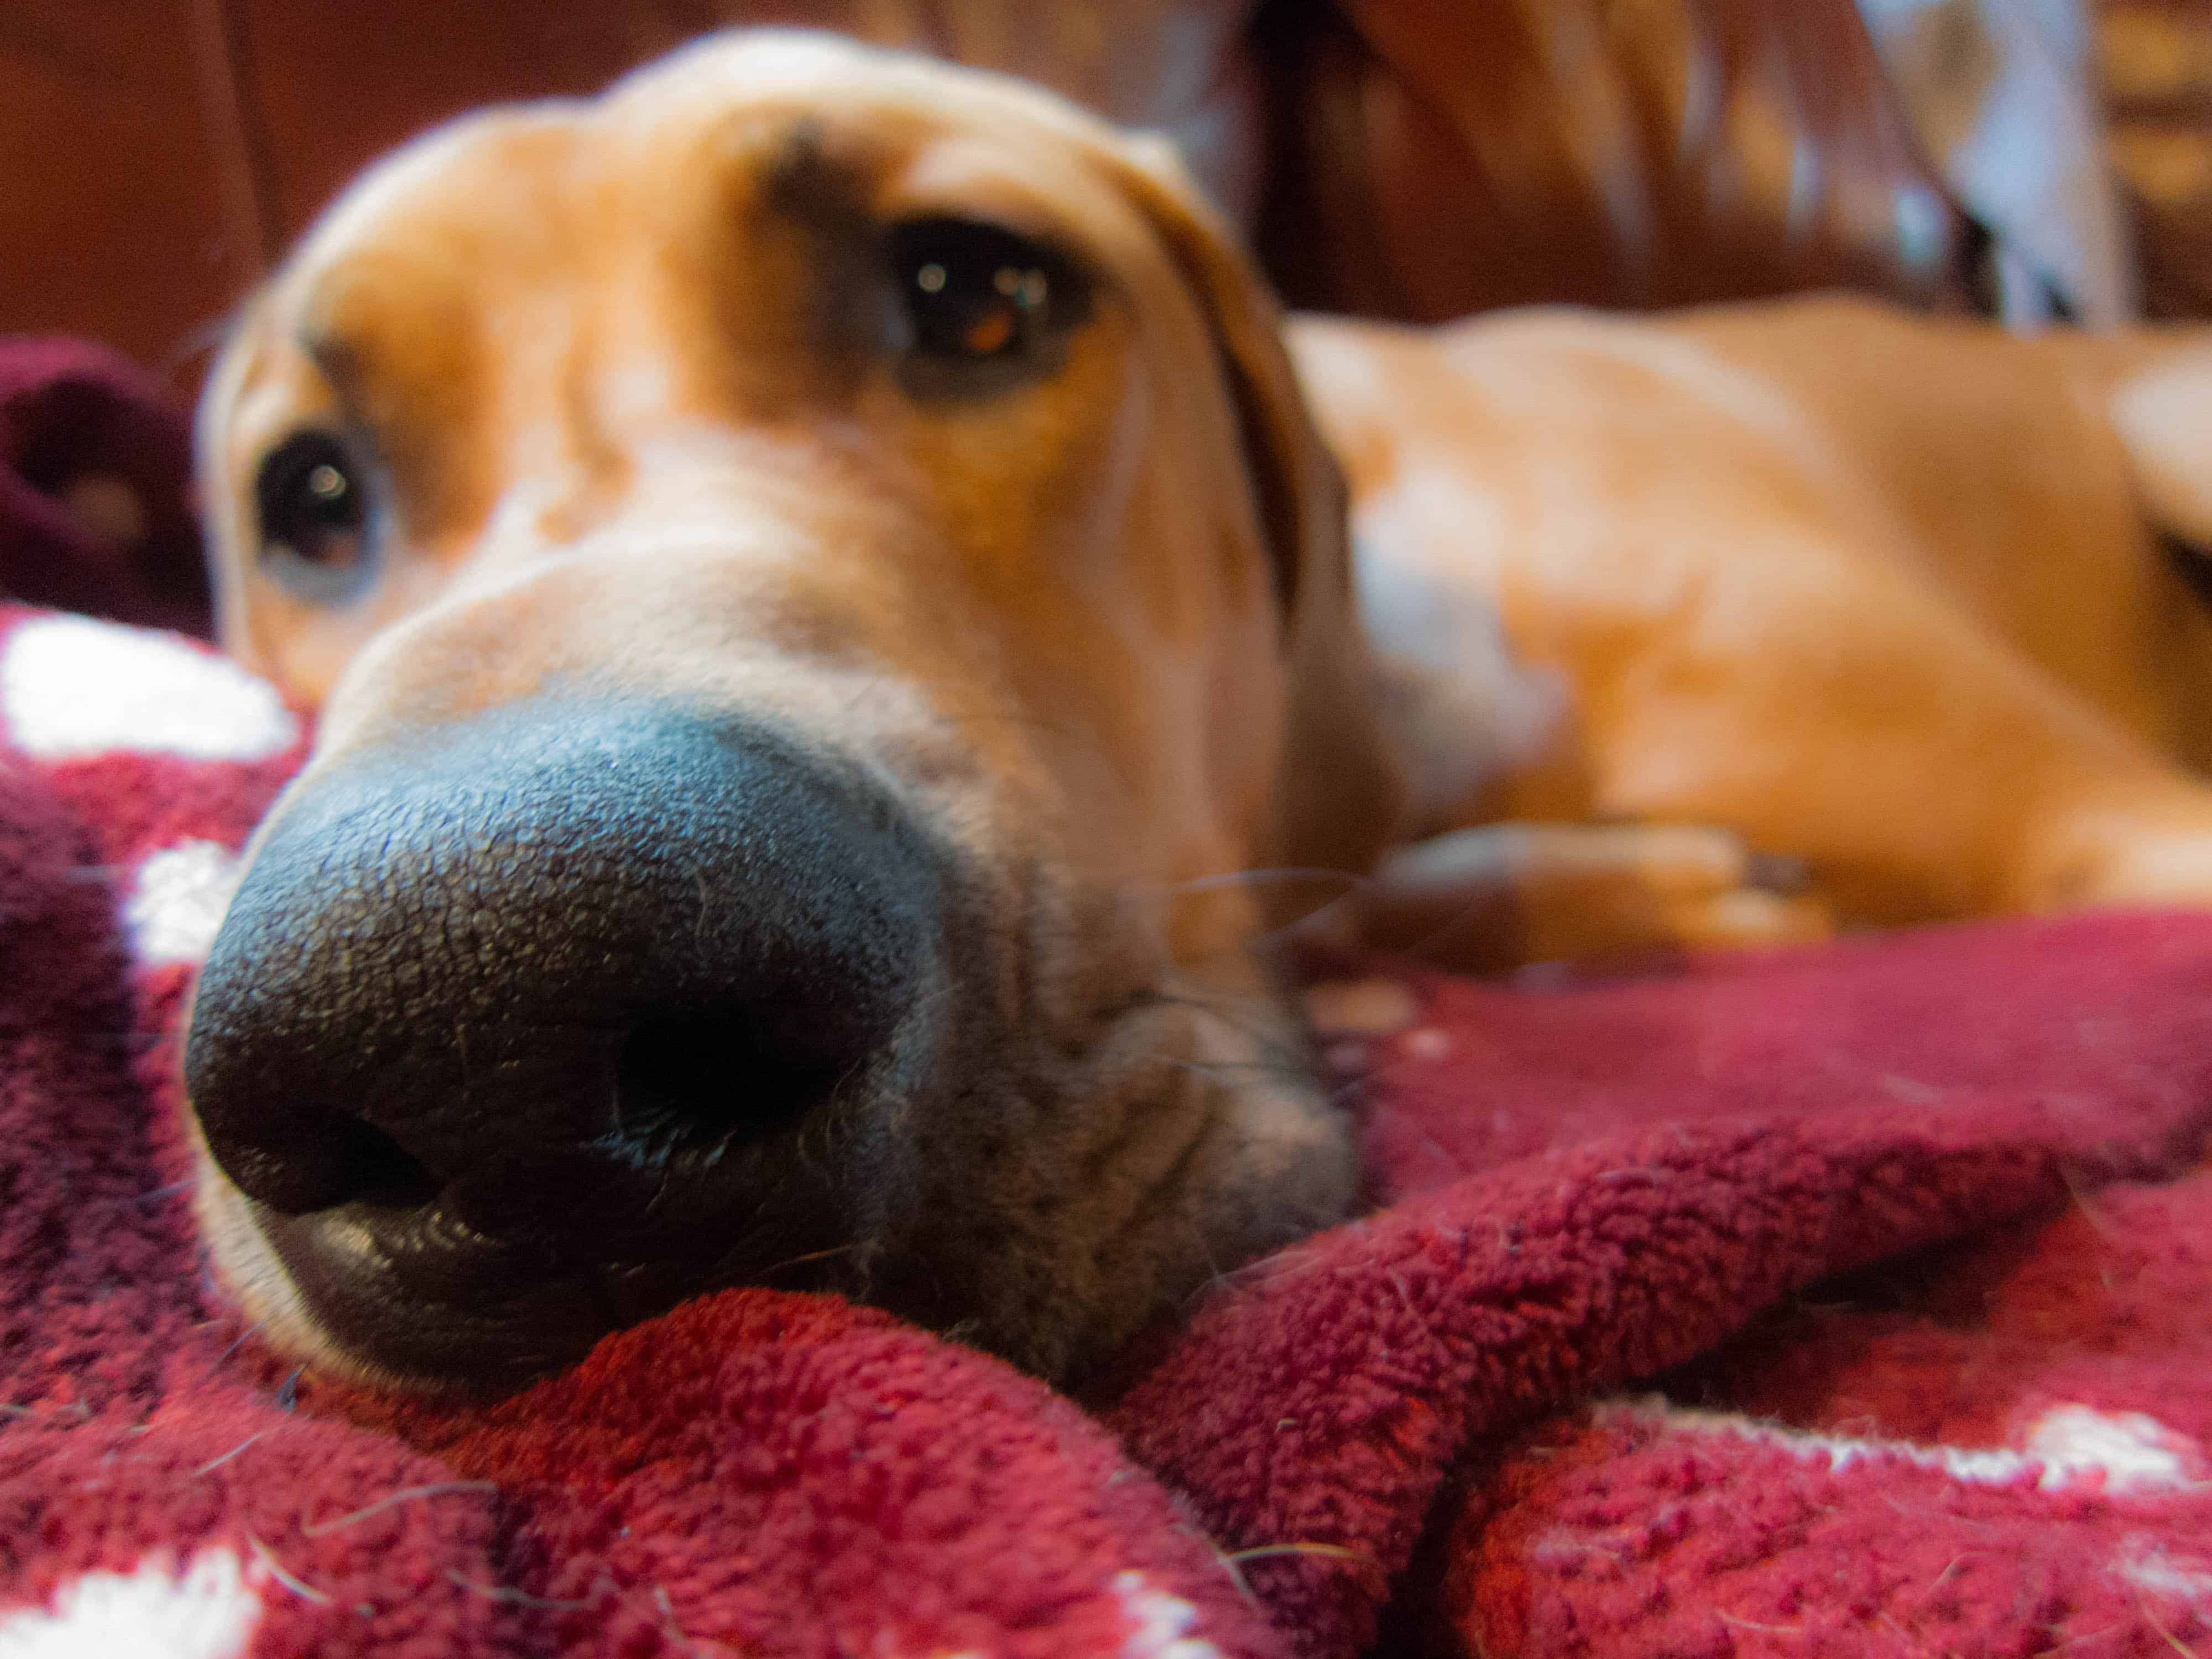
(1596, 1181)
(1801, 1509)
(1410, 1425)
(83, 429)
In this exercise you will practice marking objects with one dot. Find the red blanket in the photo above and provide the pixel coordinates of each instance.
(1836, 1301)
(95, 487)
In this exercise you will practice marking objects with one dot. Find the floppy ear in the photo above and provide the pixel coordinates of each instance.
(1341, 791)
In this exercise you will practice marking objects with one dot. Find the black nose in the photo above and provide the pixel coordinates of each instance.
(519, 1027)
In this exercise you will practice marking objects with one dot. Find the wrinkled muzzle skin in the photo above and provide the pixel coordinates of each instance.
(783, 753)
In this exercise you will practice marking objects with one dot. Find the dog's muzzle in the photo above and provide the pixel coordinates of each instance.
(520, 1030)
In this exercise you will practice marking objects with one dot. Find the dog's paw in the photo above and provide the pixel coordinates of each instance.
(1505, 895)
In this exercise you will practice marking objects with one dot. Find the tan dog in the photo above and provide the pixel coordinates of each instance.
(814, 565)
(820, 577)
(1920, 608)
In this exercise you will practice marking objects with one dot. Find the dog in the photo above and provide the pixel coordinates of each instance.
(1915, 613)
(842, 663)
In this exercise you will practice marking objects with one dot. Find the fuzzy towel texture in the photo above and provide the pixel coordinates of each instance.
(1846, 1301)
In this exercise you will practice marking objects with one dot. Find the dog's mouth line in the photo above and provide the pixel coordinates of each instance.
(384, 1238)
(595, 1298)
(486, 1255)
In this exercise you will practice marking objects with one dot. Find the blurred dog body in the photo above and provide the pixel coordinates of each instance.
(1917, 611)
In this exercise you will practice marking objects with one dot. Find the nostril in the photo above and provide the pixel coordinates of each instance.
(561, 1008)
(340, 1160)
(706, 1079)
(383, 1173)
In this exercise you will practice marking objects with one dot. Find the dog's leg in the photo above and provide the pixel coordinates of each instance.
(1504, 894)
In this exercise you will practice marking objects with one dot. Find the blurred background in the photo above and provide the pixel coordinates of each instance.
(1415, 159)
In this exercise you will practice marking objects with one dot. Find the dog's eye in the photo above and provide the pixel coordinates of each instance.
(979, 301)
(314, 513)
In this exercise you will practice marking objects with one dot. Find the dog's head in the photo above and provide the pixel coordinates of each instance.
(815, 568)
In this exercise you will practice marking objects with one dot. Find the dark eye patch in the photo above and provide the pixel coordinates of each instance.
(980, 307)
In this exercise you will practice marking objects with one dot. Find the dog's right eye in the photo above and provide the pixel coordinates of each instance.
(983, 305)
(314, 518)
